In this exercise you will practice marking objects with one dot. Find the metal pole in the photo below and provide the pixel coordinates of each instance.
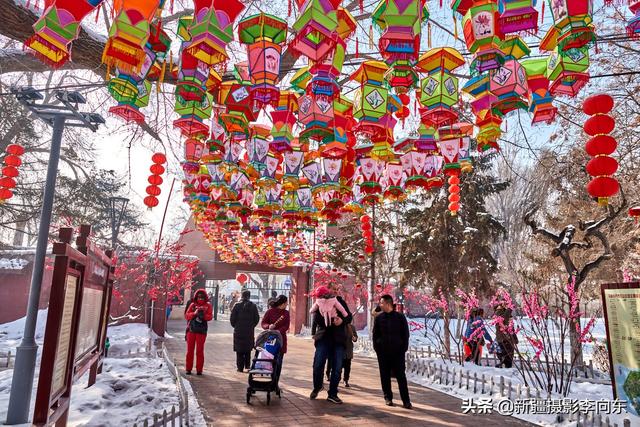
(23, 372)
(372, 273)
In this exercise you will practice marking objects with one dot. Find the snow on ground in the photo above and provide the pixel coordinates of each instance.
(579, 391)
(127, 391)
(11, 333)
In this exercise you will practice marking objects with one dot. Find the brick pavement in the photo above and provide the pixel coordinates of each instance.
(221, 392)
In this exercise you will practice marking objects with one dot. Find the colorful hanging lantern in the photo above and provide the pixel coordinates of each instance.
(129, 34)
(193, 115)
(370, 100)
(602, 186)
(315, 28)
(439, 91)
(370, 171)
(58, 26)
(399, 44)
(212, 29)
(264, 35)
(540, 99)
(572, 25)
(240, 108)
(284, 120)
(335, 145)
(568, 71)
(517, 16)
(482, 35)
(488, 123)
(393, 181)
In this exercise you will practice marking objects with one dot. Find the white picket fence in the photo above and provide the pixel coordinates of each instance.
(420, 362)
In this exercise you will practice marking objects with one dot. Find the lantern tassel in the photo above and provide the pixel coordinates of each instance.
(429, 35)
(289, 8)
(28, 4)
(361, 6)
(542, 14)
(161, 78)
(357, 48)
(97, 15)
(171, 7)
(455, 26)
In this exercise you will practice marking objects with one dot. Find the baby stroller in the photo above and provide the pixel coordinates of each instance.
(265, 366)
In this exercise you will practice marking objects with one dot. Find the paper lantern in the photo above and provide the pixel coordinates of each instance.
(602, 165)
(192, 116)
(370, 99)
(315, 29)
(517, 16)
(212, 29)
(482, 35)
(567, 71)
(240, 108)
(572, 25)
(264, 35)
(129, 33)
(58, 26)
(540, 99)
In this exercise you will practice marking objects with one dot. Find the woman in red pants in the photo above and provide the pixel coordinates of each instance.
(198, 314)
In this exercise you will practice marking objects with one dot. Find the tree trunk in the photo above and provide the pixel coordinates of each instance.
(447, 333)
(574, 337)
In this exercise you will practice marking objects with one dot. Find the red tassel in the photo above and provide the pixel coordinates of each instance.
(37, 5)
(542, 14)
(361, 6)
(97, 15)
(28, 4)
(440, 4)
(171, 7)
(289, 8)
(597, 51)
(358, 50)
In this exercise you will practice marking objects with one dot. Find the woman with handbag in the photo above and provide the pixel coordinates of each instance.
(200, 312)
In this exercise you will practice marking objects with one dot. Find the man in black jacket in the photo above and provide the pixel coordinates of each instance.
(244, 318)
(391, 342)
(330, 342)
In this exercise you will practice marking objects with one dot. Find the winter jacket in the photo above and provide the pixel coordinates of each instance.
(281, 319)
(201, 311)
(329, 308)
(476, 323)
(334, 334)
(244, 319)
(390, 333)
(502, 332)
(352, 336)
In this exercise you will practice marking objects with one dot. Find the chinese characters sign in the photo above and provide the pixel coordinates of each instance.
(621, 303)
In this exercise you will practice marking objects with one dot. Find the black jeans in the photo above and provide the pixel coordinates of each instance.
(243, 360)
(506, 354)
(388, 362)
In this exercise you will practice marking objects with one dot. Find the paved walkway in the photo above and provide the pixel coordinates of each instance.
(221, 392)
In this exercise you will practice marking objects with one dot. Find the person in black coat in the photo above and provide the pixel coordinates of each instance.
(505, 336)
(244, 319)
(391, 342)
(330, 343)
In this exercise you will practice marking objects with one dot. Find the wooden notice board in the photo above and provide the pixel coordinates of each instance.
(621, 305)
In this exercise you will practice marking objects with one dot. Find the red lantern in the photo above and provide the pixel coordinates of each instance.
(454, 194)
(15, 149)
(151, 201)
(634, 212)
(156, 169)
(365, 226)
(597, 104)
(12, 160)
(7, 182)
(366, 234)
(602, 165)
(242, 278)
(603, 187)
(155, 180)
(601, 144)
(365, 218)
(5, 194)
(159, 158)
(600, 124)
(153, 190)
(10, 171)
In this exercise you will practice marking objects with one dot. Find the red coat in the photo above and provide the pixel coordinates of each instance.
(281, 318)
(194, 306)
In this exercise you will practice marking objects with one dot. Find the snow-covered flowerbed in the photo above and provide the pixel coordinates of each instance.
(127, 391)
(579, 391)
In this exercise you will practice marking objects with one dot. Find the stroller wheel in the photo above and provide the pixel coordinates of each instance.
(249, 396)
(268, 398)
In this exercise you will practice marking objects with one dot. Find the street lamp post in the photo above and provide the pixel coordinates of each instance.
(64, 112)
(117, 207)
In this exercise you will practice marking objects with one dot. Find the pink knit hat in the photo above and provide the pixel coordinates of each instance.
(321, 292)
